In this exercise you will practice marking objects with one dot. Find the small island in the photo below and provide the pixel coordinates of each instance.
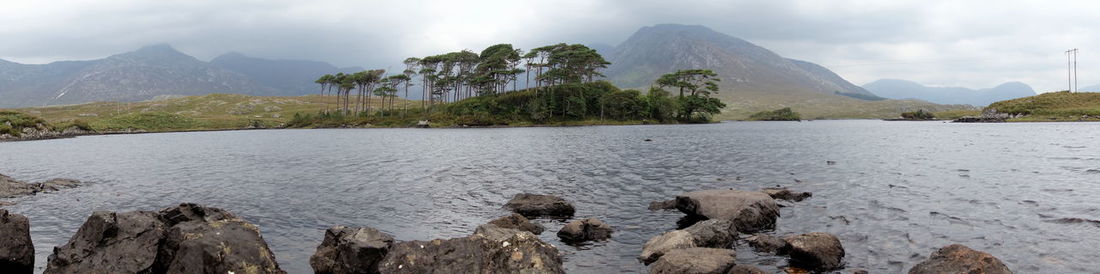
(783, 114)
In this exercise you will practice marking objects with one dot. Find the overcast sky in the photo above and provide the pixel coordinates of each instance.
(972, 44)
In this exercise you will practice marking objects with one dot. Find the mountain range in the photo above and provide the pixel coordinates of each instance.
(753, 78)
(153, 71)
(902, 89)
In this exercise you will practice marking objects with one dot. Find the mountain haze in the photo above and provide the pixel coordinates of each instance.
(150, 72)
(753, 78)
(901, 89)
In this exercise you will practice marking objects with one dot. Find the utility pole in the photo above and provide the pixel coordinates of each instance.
(1071, 70)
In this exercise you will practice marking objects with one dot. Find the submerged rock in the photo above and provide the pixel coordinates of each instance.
(713, 233)
(11, 188)
(347, 250)
(182, 239)
(744, 269)
(749, 211)
(783, 193)
(661, 244)
(537, 205)
(491, 249)
(696, 260)
(814, 251)
(590, 229)
(766, 243)
(662, 205)
(958, 258)
(516, 221)
(16, 249)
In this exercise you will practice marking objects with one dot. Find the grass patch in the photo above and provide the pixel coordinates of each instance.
(783, 114)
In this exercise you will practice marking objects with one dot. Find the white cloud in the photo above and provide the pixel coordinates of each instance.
(949, 43)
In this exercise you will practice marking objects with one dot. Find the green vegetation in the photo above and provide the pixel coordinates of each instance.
(469, 89)
(956, 114)
(783, 114)
(920, 114)
(1052, 106)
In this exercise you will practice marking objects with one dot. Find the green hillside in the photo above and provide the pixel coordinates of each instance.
(1052, 106)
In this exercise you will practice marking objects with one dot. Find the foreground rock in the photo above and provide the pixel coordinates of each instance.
(749, 211)
(661, 244)
(537, 205)
(709, 233)
(713, 233)
(696, 260)
(590, 229)
(783, 193)
(516, 221)
(958, 258)
(815, 251)
(766, 243)
(11, 188)
(187, 238)
(351, 250)
(16, 250)
(490, 250)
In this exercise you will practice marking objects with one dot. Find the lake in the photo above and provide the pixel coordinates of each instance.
(897, 191)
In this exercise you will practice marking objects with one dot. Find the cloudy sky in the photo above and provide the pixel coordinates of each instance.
(972, 44)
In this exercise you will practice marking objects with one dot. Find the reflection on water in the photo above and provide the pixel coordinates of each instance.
(894, 191)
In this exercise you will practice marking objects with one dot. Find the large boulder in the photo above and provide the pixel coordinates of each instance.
(187, 238)
(516, 221)
(715, 233)
(491, 249)
(766, 243)
(783, 193)
(749, 211)
(958, 258)
(537, 205)
(696, 260)
(816, 251)
(590, 229)
(16, 249)
(661, 244)
(348, 250)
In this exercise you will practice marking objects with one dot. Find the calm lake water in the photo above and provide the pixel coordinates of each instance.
(896, 193)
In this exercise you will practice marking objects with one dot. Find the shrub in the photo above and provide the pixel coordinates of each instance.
(783, 114)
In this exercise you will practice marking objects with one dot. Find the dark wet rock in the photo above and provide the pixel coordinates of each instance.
(16, 249)
(750, 211)
(590, 229)
(491, 249)
(516, 221)
(537, 205)
(11, 188)
(348, 250)
(713, 233)
(663, 205)
(814, 251)
(858, 271)
(696, 260)
(661, 244)
(958, 258)
(783, 193)
(766, 243)
(744, 269)
(187, 238)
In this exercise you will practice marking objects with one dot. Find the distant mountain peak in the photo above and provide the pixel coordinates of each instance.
(904, 89)
(155, 51)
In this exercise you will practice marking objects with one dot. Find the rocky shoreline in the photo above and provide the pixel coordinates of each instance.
(191, 238)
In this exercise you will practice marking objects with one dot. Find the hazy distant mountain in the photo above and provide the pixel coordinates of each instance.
(1094, 88)
(152, 71)
(753, 78)
(287, 77)
(901, 89)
